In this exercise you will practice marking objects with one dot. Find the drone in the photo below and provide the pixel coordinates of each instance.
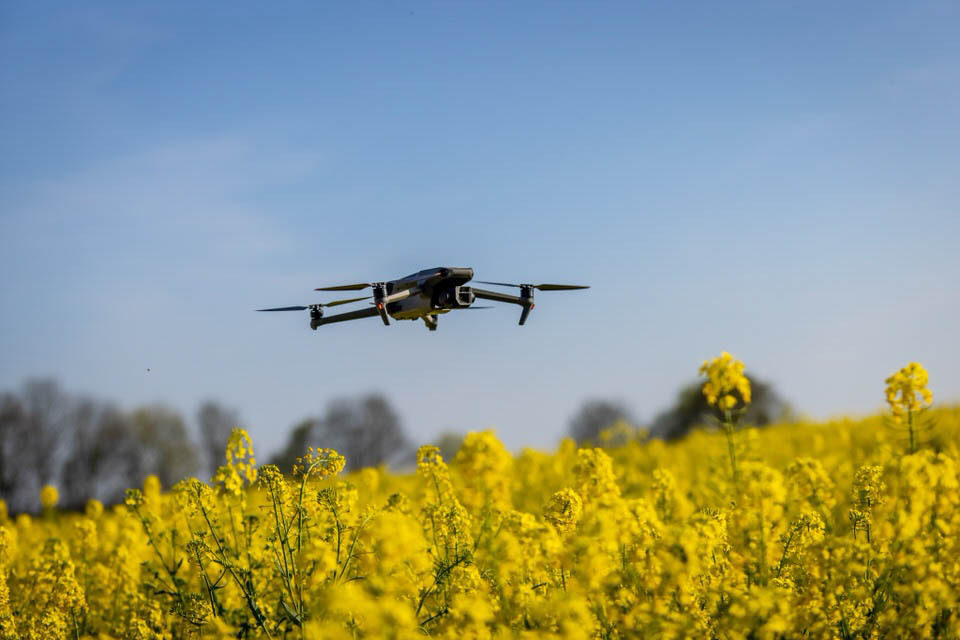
(424, 295)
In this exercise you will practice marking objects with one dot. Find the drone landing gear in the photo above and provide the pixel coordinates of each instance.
(431, 322)
(379, 293)
(526, 299)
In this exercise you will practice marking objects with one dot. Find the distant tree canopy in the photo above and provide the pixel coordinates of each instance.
(449, 443)
(88, 448)
(691, 409)
(161, 443)
(215, 424)
(366, 430)
(595, 416)
(33, 424)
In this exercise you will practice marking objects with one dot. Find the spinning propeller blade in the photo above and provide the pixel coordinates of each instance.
(317, 304)
(560, 287)
(540, 287)
(346, 287)
(526, 293)
(347, 301)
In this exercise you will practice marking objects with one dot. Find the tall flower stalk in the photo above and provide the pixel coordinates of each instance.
(908, 397)
(727, 389)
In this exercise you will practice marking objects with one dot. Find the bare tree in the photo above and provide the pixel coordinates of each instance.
(103, 458)
(368, 428)
(297, 442)
(162, 444)
(215, 423)
(365, 430)
(87, 448)
(31, 440)
(13, 440)
(595, 416)
(46, 411)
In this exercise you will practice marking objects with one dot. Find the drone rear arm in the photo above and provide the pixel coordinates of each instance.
(371, 312)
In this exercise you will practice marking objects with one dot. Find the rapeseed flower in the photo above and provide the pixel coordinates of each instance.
(725, 380)
(93, 509)
(908, 395)
(563, 510)
(907, 390)
(49, 496)
(646, 539)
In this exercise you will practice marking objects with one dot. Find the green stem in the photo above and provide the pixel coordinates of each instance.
(728, 429)
(153, 543)
(786, 548)
(249, 596)
(288, 561)
(206, 581)
(762, 565)
(913, 431)
(353, 544)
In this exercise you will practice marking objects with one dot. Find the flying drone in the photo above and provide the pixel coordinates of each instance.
(423, 295)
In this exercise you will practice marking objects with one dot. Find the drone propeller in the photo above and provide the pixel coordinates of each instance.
(539, 287)
(526, 293)
(316, 305)
(379, 295)
(348, 287)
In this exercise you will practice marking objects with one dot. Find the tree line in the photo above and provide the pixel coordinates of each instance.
(90, 448)
(688, 410)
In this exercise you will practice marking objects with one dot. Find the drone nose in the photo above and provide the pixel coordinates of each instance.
(459, 272)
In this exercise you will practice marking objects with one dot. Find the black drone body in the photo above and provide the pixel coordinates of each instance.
(424, 295)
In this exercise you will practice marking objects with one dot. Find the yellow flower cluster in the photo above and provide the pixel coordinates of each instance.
(563, 510)
(49, 496)
(724, 377)
(907, 391)
(830, 531)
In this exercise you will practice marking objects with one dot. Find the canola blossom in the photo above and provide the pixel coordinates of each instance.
(724, 377)
(49, 496)
(907, 391)
(908, 397)
(829, 530)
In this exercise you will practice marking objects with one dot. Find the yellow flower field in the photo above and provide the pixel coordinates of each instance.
(845, 529)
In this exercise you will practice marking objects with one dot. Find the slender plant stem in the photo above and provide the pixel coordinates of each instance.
(728, 428)
(913, 431)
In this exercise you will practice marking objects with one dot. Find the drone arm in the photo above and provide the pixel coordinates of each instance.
(497, 296)
(400, 295)
(525, 300)
(372, 312)
(381, 299)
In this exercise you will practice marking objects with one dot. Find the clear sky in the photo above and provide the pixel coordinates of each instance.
(780, 180)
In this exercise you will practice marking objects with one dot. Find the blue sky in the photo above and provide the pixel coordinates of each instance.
(777, 180)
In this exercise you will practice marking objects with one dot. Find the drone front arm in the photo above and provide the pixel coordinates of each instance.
(381, 299)
(400, 295)
(496, 296)
(525, 300)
